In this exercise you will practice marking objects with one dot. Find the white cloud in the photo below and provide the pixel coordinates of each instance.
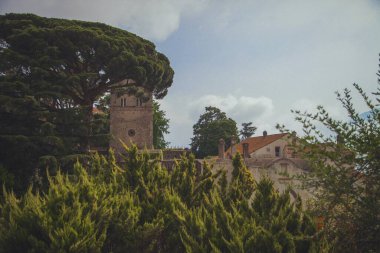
(152, 19)
(239, 108)
(283, 17)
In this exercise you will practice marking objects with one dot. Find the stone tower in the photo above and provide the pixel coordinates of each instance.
(131, 121)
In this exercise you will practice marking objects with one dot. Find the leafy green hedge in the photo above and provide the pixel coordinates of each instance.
(141, 207)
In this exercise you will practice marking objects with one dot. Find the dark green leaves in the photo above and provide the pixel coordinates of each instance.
(210, 128)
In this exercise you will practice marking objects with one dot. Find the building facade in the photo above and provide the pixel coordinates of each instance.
(270, 156)
(131, 121)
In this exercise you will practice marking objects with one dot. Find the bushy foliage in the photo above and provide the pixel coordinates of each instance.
(140, 206)
(345, 172)
(160, 127)
(212, 126)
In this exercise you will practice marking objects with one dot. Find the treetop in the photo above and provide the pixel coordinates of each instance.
(73, 52)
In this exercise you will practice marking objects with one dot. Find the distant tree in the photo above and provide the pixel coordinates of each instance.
(345, 172)
(210, 128)
(160, 127)
(247, 130)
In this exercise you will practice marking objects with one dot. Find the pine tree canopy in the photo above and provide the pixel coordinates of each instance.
(52, 71)
(78, 59)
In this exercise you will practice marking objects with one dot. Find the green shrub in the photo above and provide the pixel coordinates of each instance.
(138, 206)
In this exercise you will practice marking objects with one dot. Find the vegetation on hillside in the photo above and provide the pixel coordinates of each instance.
(139, 206)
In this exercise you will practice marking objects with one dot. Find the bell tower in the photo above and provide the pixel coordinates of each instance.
(131, 121)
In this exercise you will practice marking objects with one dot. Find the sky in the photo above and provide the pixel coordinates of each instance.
(254, 59)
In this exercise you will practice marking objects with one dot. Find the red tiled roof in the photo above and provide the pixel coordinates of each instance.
(256, 142)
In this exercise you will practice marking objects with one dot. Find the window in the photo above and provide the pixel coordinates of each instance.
(138, 102)
(131, 132)
(277, 151)
(123, 102)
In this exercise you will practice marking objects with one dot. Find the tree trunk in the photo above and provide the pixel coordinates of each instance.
(87, 114)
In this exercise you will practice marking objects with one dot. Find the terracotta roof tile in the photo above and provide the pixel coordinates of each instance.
(256, 142)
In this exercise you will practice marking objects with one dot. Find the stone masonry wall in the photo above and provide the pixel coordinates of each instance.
(130, 122)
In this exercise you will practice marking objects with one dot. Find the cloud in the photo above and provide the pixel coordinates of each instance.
(152, 19)
(276, 18)
(239, 108)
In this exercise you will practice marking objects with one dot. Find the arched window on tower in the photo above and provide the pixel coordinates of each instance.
(123, 102)
(139, 102)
